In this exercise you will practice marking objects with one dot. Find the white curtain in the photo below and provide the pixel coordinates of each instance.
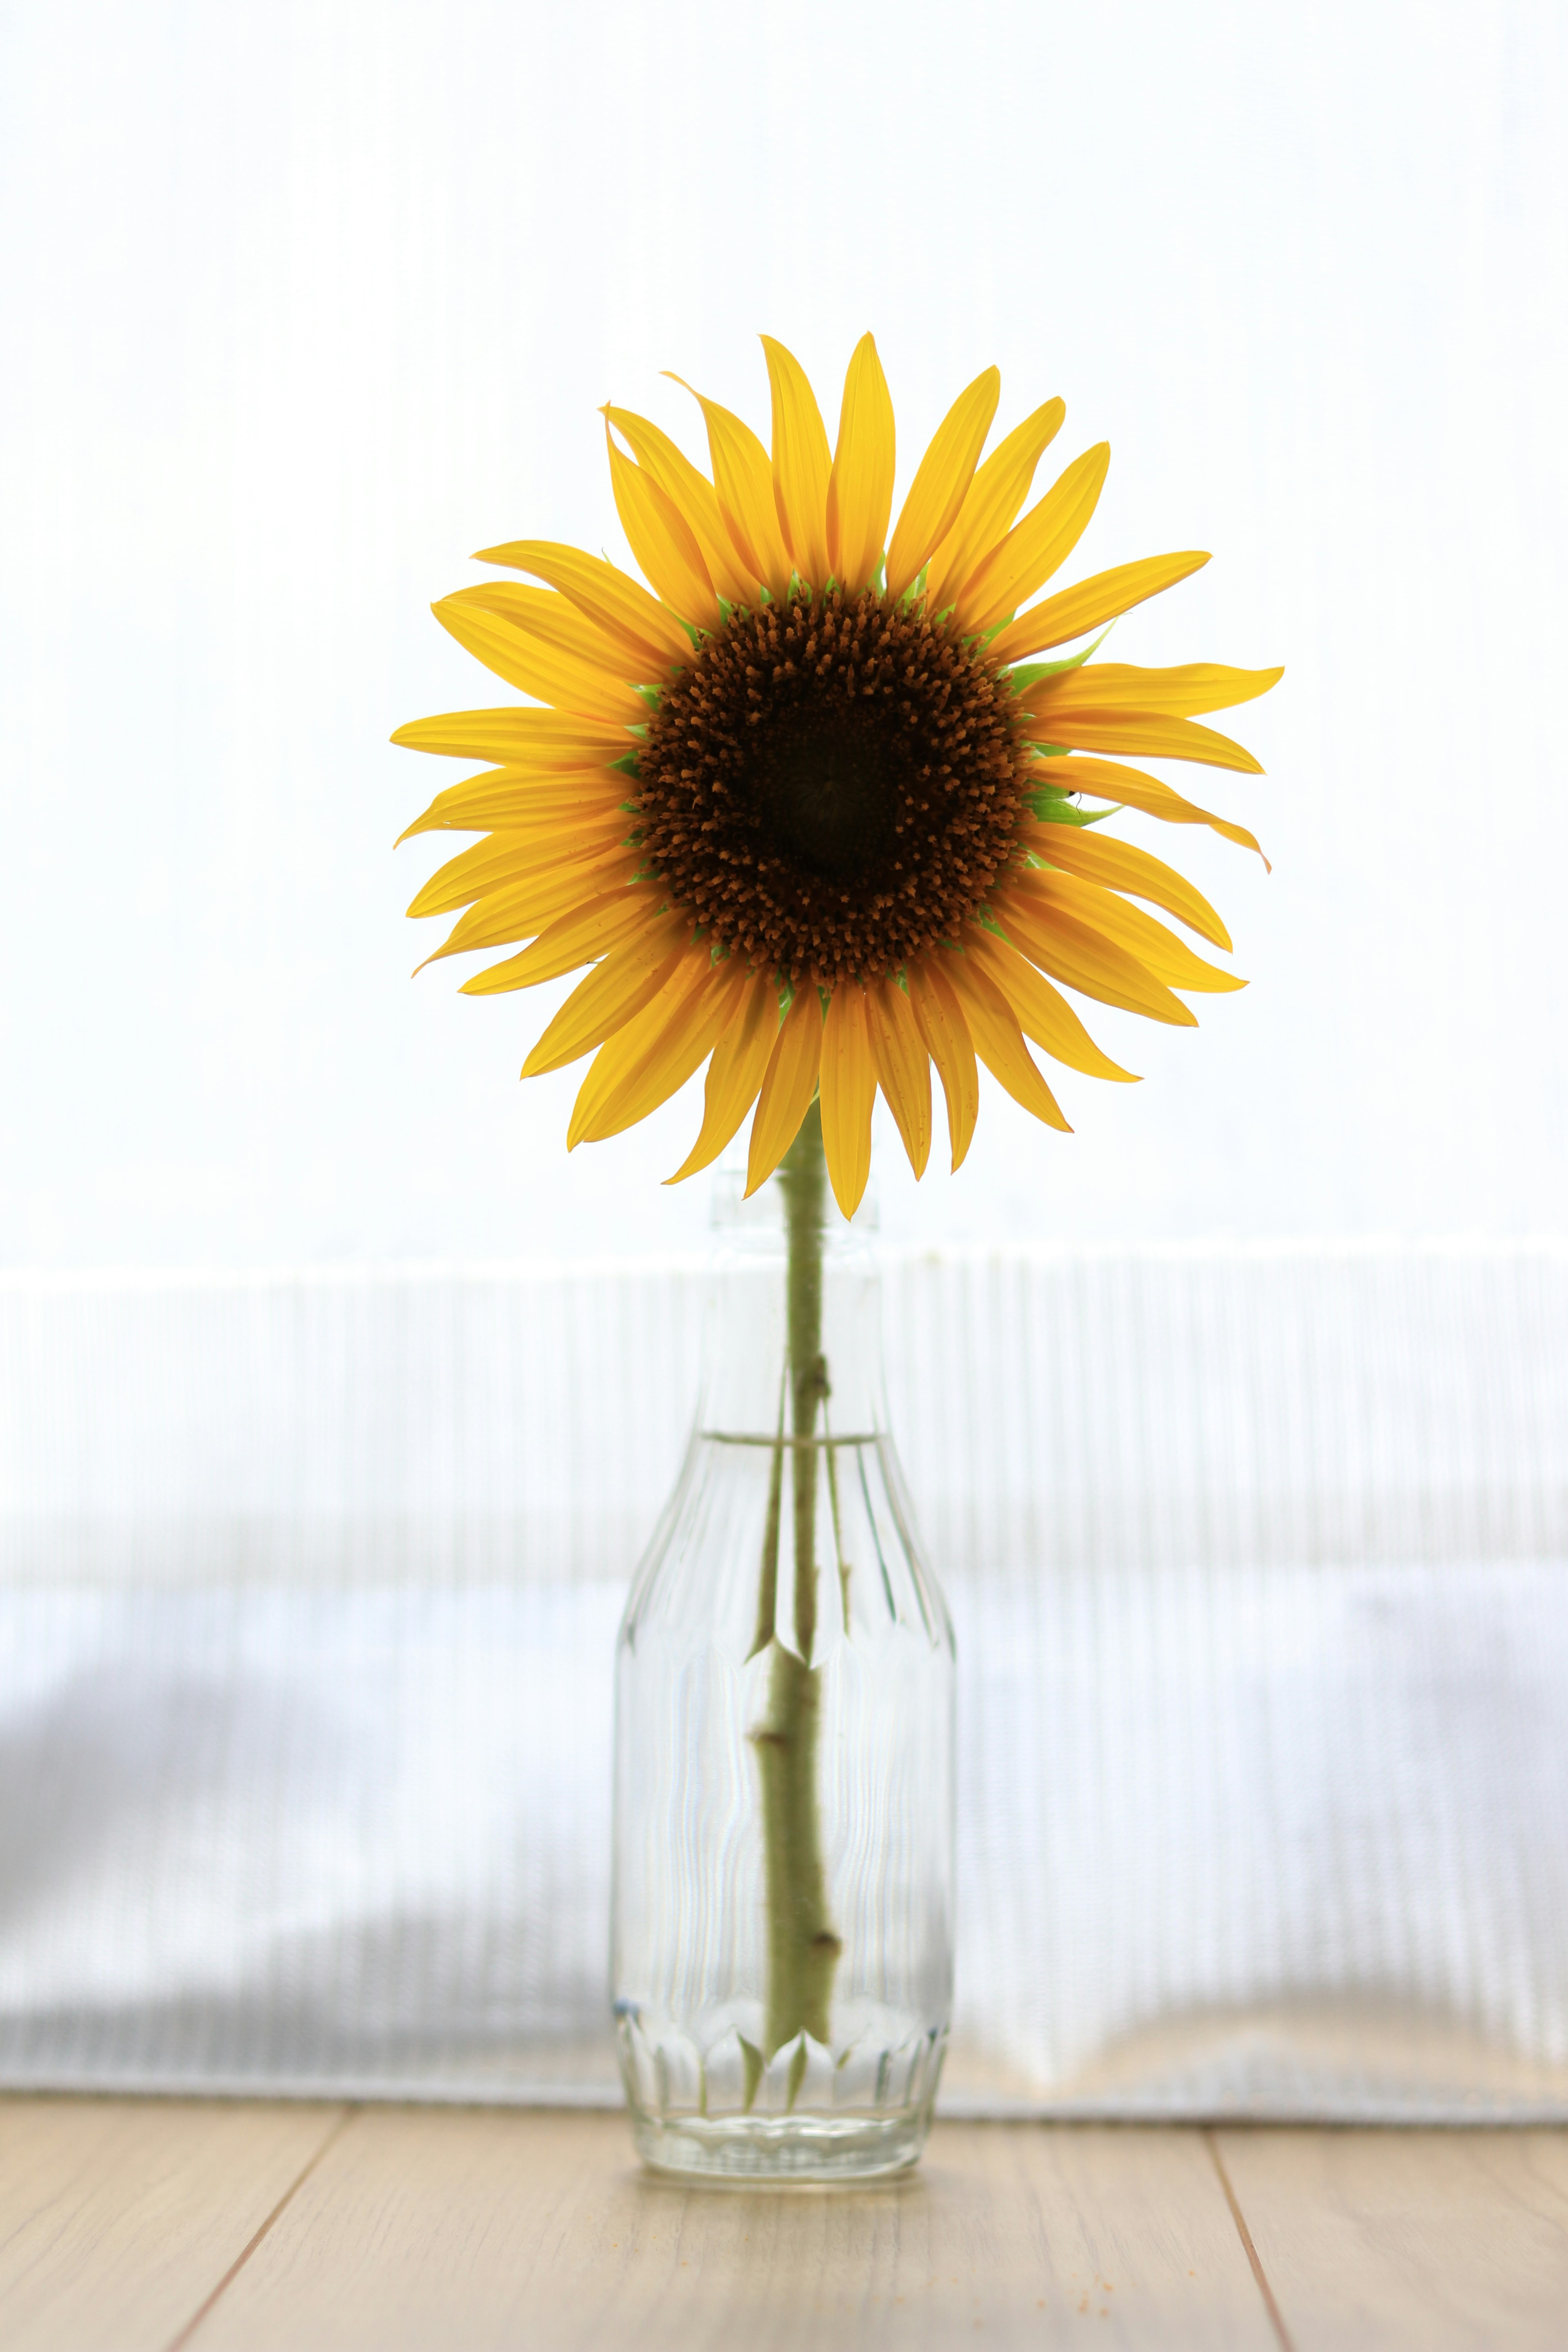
(307, 1597)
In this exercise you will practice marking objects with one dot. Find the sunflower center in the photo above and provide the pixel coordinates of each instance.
(832, 786)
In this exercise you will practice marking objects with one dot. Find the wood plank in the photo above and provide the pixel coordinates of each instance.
(118, 2217)
(448, 2229)
(1442, 2240)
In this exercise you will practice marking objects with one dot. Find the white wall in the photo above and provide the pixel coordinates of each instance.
(302, 303)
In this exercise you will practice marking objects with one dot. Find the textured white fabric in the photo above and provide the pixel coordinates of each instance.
(1258, 1559)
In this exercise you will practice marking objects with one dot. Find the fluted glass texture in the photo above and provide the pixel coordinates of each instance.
(781, 1938)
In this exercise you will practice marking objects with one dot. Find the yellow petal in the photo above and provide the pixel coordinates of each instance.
(999, 1040)
(661, 539)
(1158, 950)
(903, 1066)
(743, 479)
(620, 1056)
(550, 883)
(939, 1019)
(540, 820)
(942, 481)
(1132, 789)
(788, 1084)
(860, 487)
(563, 835)
(518, 799)
(526, 661)
(735, 1074)
(994, 497)
(1101, 857)
(558, 888)
(543, 613)
(686, 1046)
(1035, 547)
(1041, 1013)
(592, 930)
(606, 596)
(546, 739)
(1113, 687)
(849, 1095)
(614, 992)
(1083, 957)
(554, 897)
(693, 496)
(801, 465)
(553, 894)
(1149, 738)
(503, 860)
(1076, 611)
(651, 1059)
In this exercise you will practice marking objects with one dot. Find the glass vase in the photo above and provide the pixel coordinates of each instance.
(782, 1917)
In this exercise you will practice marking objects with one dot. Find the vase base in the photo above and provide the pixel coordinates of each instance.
(772, 2149)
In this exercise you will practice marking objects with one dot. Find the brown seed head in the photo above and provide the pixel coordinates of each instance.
(833, 785)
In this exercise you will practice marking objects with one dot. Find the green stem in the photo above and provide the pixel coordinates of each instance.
(768, 1584)
(804, 1181)
(803, 1946)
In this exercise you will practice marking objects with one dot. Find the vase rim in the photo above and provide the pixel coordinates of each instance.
(732, 1214)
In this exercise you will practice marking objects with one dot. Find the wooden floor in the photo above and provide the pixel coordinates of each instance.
(148, 2226)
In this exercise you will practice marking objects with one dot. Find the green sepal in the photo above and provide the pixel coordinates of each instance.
(914, 593)
(1028, 673)
(1055, 808)
(626, 765)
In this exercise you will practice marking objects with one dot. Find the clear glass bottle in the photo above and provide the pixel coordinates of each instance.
(782, 1937)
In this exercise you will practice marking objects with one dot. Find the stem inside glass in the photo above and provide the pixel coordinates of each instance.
(803, 1943)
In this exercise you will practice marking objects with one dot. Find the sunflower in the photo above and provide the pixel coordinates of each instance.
(809, 804)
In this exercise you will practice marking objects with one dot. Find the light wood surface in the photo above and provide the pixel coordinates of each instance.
(1391, 2238)
(224, 2227)
(424, 2230)
(118, 2217)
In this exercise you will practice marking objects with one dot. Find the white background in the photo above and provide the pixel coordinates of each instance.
(302, 303)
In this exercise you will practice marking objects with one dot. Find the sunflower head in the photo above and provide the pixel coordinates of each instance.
(808, 805)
